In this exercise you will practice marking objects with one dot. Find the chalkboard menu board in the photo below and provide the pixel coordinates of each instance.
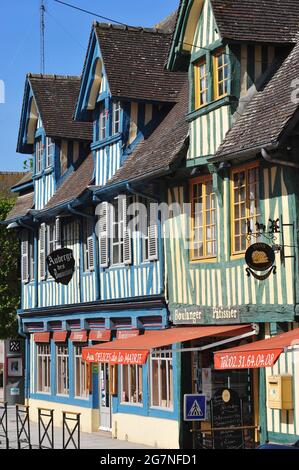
(226, 410)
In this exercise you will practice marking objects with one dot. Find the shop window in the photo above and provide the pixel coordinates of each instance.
(39, 148)
(116, 114)
(221, 73)
(131, 384)
(203, 218)
(50, 152)
(43, 368)
(62, 368)
(244, 206)
(201, 83)
(80, 373)
(161, 380)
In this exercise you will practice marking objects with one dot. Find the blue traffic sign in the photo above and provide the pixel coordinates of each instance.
(195, 407)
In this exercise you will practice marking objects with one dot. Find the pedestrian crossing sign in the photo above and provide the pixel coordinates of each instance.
(195, 407)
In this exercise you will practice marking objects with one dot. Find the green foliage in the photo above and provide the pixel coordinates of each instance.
(28, 164)
(9, 275)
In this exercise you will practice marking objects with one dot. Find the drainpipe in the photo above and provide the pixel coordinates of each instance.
(90, 217)
(141, 194)
(269, 159)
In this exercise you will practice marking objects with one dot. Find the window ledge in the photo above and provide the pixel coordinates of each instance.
(124, 403)
(207, 108)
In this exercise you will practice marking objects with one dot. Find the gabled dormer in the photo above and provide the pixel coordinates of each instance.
(229, 56)
(48, 132)
(125, 91)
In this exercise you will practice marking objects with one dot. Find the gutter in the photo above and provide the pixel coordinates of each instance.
(277, 161)
(243, 153)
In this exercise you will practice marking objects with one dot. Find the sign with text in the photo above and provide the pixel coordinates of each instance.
(246, 359)
(194, 315)
(61, 265)
(226, 408)
(260, 257)
(195, 407)
(126, 356)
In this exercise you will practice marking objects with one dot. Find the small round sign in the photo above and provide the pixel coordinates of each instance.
(226, 396)
(260, 256)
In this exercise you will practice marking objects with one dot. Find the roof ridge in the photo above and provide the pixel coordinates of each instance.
(53, 76)
(140, 29)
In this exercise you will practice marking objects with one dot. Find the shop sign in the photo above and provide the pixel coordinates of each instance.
(246, 360)
(195, 407)
(226, 410)
(260, 257)
(125, 334)
(61, 265)
(197, 316)
(14, 391)
(115, 357)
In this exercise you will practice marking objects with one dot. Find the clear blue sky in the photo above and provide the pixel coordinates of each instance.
(67, 33)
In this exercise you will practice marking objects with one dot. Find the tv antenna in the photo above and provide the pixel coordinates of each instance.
(42, 36)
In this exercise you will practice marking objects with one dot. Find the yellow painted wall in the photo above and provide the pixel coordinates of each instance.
(156, 432)
(89, 420)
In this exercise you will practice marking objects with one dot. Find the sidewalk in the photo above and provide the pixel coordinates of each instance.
(88, 441)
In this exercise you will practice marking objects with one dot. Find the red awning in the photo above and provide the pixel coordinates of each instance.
(100, 335)
(135, 350)
(258, 354)
(125, 334)
(42, 337)
(60, 336)
(79, 336)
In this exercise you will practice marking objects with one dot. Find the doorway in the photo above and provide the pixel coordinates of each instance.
(104, 398)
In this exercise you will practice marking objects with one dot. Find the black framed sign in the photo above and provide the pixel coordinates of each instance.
(260, 257)
(61, 265)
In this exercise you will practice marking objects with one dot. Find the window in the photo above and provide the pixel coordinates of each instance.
(81, 373)
(50, 151)
(31, 262)
(50, 238)
(39, 155)
(43, 368)
(203, 219)
(62, 369)
(221, 71)
(131, 384)
(88, 245)
(161, 380)
(102, 121)
(201, 83)
(116, 111)
(117, 241)
(244, 205)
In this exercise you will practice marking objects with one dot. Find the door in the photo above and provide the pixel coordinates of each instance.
(104, 398)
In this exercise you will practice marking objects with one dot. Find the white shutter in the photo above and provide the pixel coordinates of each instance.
(57, 233)
(42, 251)
(25, 257)
(103, 232)
(90, 244)
(153, 235)
(126, 233)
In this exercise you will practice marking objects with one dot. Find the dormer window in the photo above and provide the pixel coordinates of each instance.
(102, 122)
(221, 73)
(39, 155)
(50, 149)
(201, 83)
(116, 110)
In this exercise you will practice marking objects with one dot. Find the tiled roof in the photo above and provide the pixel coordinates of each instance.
(162, 148)
(168, 23)
(23, 204)
(274, 21)
(7, 180)
(56, 98)
(27, 178)
(267, 114)
(134, 60)
(74, 185)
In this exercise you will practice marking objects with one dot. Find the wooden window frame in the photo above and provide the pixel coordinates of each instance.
(216, 54)
(137, 385)
(198, 92)
(80, 374)
(50, 152)
(201, 180)
(116, 117)
(39, 149)
(43, 368)
(243, 168)
(162, 358)
(62, 363)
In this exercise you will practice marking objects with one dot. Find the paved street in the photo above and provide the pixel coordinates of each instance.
(88, 441)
